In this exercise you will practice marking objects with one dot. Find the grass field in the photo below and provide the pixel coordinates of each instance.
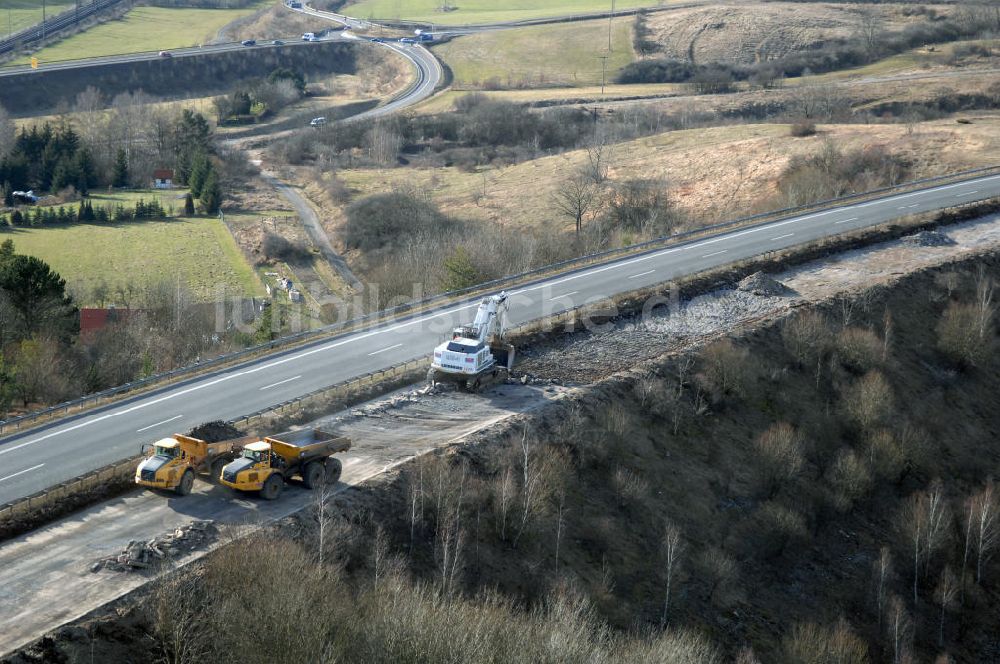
(711, 172)
(483, 11)
(19, 14)
(145, 29)
(539, 56)
(198, 252)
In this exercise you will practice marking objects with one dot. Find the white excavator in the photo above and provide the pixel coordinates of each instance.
(476, 353)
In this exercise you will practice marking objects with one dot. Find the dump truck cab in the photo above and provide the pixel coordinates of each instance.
(251, 469)
(162, 468)
(171, 463)
(265, 465)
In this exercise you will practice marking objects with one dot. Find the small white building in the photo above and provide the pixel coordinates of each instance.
(163, 178)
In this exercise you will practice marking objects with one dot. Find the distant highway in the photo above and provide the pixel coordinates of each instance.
(20, 70)
(69, 447)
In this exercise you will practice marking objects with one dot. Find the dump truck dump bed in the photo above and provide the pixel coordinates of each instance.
(307, 443)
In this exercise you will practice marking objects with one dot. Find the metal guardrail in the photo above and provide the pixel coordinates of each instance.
(46, 497)
(522, 279)
(61, 21)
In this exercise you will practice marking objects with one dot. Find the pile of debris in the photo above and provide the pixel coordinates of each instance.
(759, 283)
(929, 239)
(214, 432)
(139, 555)
(396, 401)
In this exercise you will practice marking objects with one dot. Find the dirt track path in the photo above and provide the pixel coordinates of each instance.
(314, 229)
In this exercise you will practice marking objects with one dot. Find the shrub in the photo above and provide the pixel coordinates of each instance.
(886, 457)
(815, 644)
(772, 529)
(965, 334)
(850, 480)
(869, 401)
(859, 349)
(660, 70)
(802, 128)
(807, 337)
(726, 370)
(277, 247)
(385, 220)
(779, 451)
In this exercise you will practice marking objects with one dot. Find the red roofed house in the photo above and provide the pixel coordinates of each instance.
(93, 321)
(163, 178)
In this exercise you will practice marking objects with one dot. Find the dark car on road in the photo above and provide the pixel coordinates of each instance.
(249, 42)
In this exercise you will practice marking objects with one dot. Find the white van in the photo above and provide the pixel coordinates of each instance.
(309, 37)
(317, 122)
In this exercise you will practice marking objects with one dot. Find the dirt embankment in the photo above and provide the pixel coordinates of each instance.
(748, 34)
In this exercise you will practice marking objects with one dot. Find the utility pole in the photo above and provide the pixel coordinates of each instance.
(611, 20)
(604, 71)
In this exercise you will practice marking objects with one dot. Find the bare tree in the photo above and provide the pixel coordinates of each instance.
(886, 335)
(985, 308)
(672, 547)
(383, 143)
(899, 627)
(926, 517)
(869, 401)
(503, 499)
(560, 511)
(870, 31)
(380, 555)
(598, 155)
(883, 572)
(983, 514)
(945, 594)
(180, 605)
(322, 495)
(575, 199)
(779, 450)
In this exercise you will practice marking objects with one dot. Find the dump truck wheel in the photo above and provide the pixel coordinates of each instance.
(184, 487)
(333, 470)
(216, 470)
(313, 474)
(272, 487)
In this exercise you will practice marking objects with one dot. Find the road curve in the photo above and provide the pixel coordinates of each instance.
(69, 447)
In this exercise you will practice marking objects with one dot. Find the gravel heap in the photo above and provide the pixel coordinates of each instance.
(139, 555)
(929, 239)
(759, 283)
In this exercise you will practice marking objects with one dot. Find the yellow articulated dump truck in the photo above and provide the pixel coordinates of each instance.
(266, 465)
(171, 463)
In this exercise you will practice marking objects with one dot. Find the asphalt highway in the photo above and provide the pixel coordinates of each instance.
(44, 457)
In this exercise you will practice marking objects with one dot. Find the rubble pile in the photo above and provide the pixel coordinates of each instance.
(396, 401)
(139, 555)
(928, 239)
(759, 283)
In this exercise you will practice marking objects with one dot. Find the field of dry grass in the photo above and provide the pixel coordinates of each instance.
(712, 172)
(751, 33)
